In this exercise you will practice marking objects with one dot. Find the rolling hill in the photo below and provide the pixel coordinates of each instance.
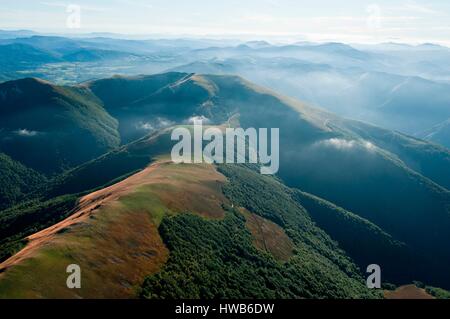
(393, 177)
(51, 128)
(173, 218)
(19, 56)
(13, 34)
(96, 55)
(385, 190)
(409, 104)
(395, 86)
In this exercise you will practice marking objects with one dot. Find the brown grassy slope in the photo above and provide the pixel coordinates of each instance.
(268, 236)
(113, 236)
(407, 292)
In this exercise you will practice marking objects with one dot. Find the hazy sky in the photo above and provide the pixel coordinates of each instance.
(348, 21)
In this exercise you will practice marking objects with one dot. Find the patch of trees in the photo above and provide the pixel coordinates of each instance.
(16, 181)
(28, 218)
(216, 259)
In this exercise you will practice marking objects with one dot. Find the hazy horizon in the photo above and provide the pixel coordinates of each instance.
(233, 39)
(410, 22)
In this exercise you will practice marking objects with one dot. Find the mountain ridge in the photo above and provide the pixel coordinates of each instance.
(391, 185)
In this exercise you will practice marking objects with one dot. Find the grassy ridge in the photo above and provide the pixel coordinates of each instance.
(51, 201)
(218, 258)
(116, 242)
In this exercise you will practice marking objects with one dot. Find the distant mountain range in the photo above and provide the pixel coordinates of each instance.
(14, 34)
(347, 194)
(409, 104)
(396, 86)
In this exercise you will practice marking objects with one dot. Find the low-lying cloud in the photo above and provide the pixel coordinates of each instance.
(145, 126)
(343, 144)
(194, 119)
(155, 124)
(26, 133)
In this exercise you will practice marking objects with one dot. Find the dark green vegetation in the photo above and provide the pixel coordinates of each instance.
(360, 238)
(382, 196)
(396, 182)
(125, 98)
(111, 166)
(438, 293)
(30, 217)
(216, 259)
(51, 128)
(16, 181)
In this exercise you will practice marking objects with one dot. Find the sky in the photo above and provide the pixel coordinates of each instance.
(351, 21)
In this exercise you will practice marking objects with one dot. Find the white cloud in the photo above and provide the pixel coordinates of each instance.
(26, 133)
(343, 144)
(339, 143)
(195, 119)
(154, 124)
(369, 145)
(164, 122)
(144, 126)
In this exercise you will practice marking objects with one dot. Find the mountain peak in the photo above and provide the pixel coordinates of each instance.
(13, 90)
